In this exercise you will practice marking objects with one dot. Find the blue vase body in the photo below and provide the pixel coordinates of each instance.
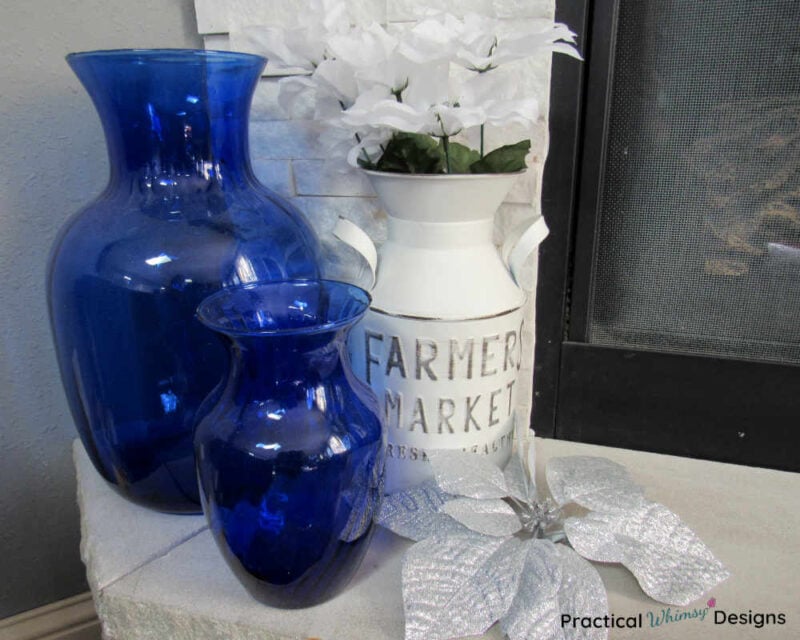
(182, 217)
(290, 457)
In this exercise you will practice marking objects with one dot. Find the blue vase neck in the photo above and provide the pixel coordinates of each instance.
(173, 119)
(270, 363)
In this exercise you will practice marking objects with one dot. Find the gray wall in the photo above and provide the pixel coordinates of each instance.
(52, 160)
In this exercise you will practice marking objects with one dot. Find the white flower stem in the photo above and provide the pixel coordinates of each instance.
(446, 145)
(482, 141)
(363, 150)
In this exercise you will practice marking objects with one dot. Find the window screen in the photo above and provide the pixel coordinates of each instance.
(699, 239)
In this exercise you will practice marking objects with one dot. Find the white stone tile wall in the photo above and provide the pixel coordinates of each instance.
(288, 158)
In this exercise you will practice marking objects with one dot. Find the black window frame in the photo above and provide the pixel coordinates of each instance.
(716, 408)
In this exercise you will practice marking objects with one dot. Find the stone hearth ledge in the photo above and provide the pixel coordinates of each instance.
(160, 577)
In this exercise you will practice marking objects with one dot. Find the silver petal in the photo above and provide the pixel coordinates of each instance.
(490, 517)
(592, 482)
(459, 585)
(582, 593)
(517, 478)
(415, 513)
(467, 474)
(554, 580)
(668, 559)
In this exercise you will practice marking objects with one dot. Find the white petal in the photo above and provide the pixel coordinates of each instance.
(501, 113)
(294, 91)
(453, 120)
(427, 85)
(431, 40)
(363, 47)
(337, 78)
(389, 113)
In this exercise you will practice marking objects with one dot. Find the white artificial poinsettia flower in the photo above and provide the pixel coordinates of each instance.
(434, 39)
(362, 47)
(485, 43)
(295, 91)
(538, 36)
(340, 141)
(423, 104)
(337, 88)
(298, 48)
(363, 83)
(435, 119)
(377, 59)
(301, 45)
(498, 97)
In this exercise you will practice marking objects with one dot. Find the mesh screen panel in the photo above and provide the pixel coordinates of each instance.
(699, 235)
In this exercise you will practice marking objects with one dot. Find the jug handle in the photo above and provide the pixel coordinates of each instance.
(351, 234)
(520, 243)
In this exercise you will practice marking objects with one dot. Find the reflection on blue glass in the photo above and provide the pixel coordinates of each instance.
(182, 217)
(271, 514)
(291, 501)
(155, 121)
(159, 260)
(169, 401)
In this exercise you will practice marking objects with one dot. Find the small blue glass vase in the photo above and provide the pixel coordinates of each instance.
(182, 217)
(290, 456)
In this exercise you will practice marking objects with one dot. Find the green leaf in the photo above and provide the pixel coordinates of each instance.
(461, 157)
(412, 153)
(507, 159)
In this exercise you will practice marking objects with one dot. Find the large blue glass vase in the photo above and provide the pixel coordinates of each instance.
(290, 457)
(182, 216)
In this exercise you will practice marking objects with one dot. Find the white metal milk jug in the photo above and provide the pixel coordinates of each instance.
(441, 344)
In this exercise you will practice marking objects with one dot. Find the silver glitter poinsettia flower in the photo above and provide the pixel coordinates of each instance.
(490, 549)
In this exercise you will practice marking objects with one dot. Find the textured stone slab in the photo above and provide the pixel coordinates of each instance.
(275, 174)
(747, 516)
(192, 594)
(285, 139)
(265, 102)
(118, 537)
(244, 13)
(324, 178)
(217, 42)
(323, 212)
(212, 16)
(404, 10)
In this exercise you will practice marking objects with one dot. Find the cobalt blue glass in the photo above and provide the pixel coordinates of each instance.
(290, 457)
(181, 217)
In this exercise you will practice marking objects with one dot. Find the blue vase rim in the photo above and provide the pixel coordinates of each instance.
(356, 294)
(184, 56)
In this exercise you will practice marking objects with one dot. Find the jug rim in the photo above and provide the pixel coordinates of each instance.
(443, 176)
